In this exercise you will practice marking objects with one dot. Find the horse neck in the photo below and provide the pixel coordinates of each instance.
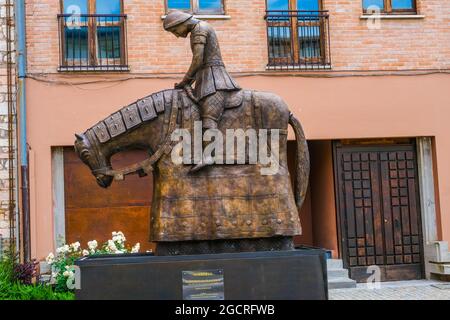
(146, 137)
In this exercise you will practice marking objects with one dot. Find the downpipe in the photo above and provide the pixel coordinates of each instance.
(23, 147)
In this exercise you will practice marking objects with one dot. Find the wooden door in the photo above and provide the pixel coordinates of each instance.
(92, 212)
(379, 210)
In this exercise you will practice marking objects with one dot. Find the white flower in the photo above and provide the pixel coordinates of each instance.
(65, 248)
(92, 245)
(55, 274)
(136, 248)
(75, 246)
(69, 272)
(118, 252)
(50, 258)
(112, 246)
(85, 253)
(118, 237)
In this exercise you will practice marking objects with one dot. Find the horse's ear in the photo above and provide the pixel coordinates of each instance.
(79, 137)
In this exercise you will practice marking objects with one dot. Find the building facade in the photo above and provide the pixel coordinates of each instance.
(368, 80)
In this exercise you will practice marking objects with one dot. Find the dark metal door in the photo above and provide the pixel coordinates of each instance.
(125, 206)
(379, 211)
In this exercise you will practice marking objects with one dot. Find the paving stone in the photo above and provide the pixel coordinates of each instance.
(402, 290)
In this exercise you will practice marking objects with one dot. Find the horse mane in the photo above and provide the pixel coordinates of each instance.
(132, 116)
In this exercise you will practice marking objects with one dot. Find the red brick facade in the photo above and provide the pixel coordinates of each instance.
(399, 44)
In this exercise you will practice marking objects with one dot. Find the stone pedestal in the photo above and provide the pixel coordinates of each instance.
(287, 275)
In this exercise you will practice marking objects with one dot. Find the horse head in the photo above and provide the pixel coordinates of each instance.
(95, 160)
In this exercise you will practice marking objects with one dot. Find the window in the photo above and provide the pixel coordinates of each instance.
(197, 6)
(390, 6)
(304, 5)
(297, 32)
(92, 35)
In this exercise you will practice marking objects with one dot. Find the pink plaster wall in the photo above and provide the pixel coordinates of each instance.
(329, 108)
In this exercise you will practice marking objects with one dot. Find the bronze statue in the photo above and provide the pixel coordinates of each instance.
(207, 70)
(223, 207)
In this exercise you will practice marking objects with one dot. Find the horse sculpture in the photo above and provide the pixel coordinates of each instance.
(222, 208)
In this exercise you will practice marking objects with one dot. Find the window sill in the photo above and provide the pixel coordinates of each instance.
(391, 16)
(93, 69)
(300, 67)
(207, 17)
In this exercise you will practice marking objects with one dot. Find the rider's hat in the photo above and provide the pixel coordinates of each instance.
(175, 18)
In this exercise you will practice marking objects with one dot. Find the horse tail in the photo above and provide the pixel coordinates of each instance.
(302, 162)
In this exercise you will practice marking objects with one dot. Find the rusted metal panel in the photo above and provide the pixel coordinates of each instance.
(131, 117)
(146, 109)
(158, 102)
(101, 132)
(125, 206)
(167, 98)
(115, 124)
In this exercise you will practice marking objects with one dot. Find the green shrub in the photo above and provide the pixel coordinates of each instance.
(17, 291)
(6, 268)
(12, 289)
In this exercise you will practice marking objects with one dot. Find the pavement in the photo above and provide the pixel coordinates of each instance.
(399, 290)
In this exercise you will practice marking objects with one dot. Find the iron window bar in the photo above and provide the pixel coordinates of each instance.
(93, 42)
(298, 39)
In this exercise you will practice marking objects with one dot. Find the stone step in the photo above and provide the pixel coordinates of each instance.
(341, 283)
(440, 276)
(338, 277)
(337, 273)
(446, 268)
(442, 267)
(334, 264)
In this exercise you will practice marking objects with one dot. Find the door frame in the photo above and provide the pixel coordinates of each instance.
(58, 194)
(375, 143)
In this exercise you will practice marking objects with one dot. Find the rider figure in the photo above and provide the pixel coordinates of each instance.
(207, 69)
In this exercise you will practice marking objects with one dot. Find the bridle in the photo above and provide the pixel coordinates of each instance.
(146, 167)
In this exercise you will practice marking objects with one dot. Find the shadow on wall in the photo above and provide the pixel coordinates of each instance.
(318, 214)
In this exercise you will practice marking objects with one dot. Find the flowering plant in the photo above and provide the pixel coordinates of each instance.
(62, 264)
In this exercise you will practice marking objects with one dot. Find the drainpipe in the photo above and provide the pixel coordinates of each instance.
(23, 148)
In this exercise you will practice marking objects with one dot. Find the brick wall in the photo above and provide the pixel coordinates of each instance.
(398, 44)
(4, 155)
